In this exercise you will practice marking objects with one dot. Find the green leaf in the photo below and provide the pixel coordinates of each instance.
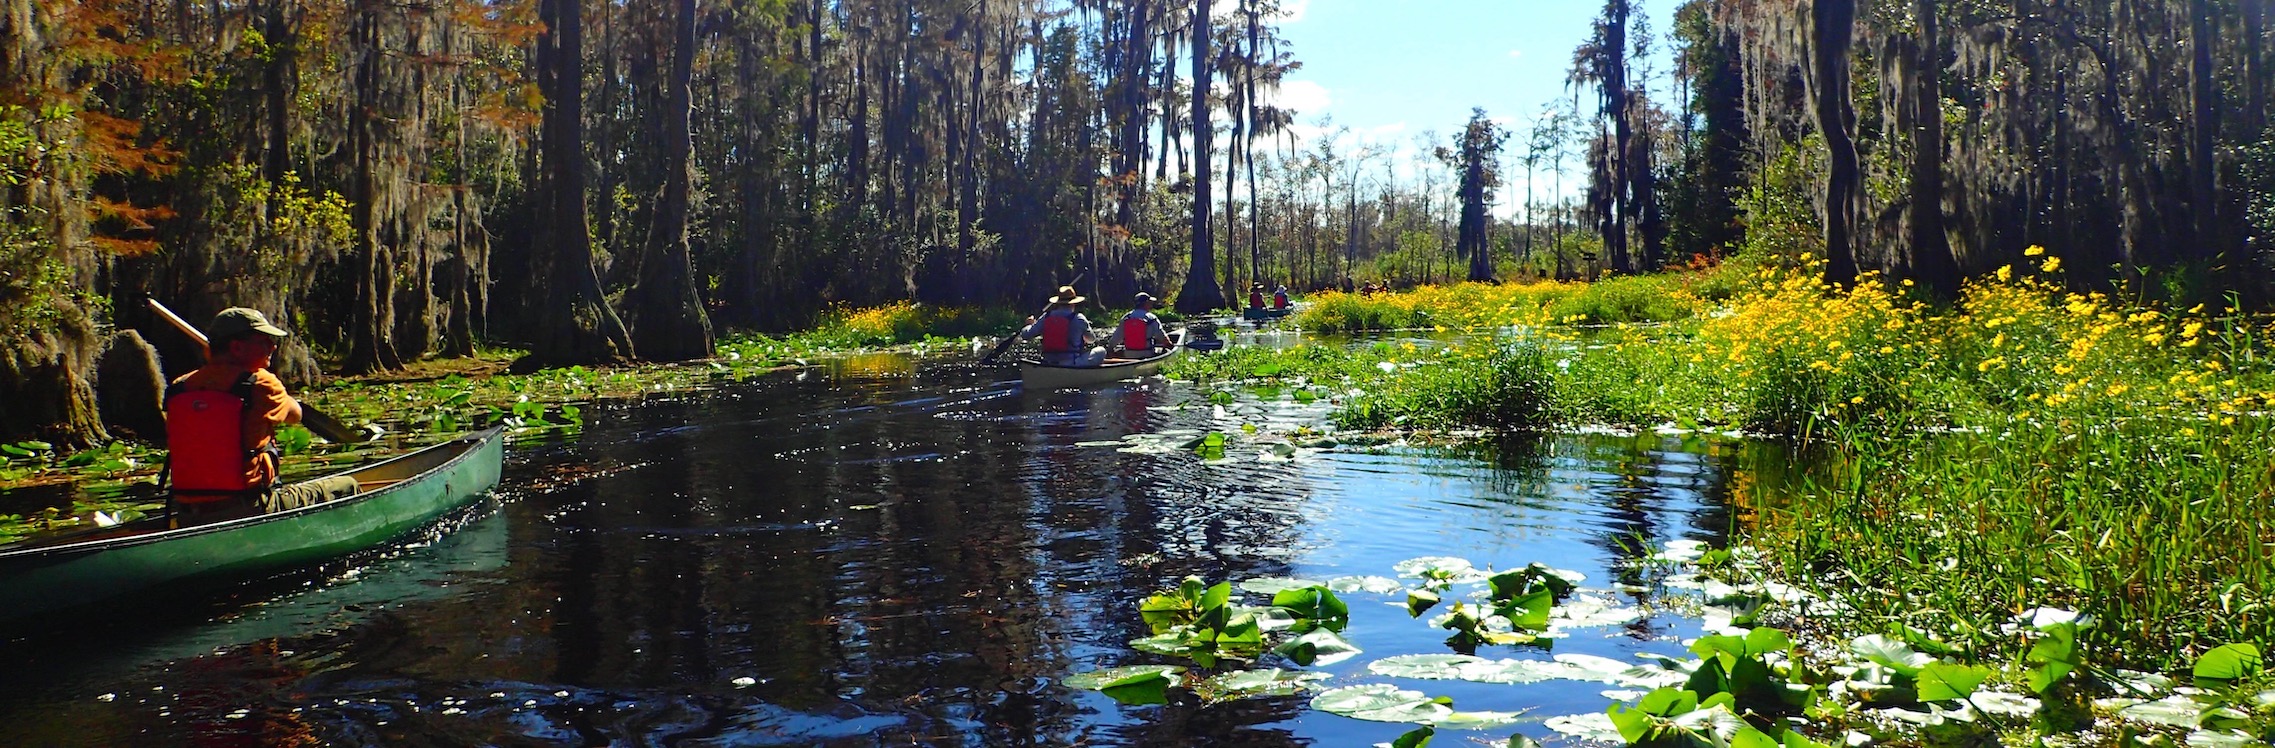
(1634, 724)
(2055, 656)
(15, 450)
(1260, 682)
(1752, 738)
(1315, 602)
(1415, 738)
(1764, 640)
(1943, 681)
(1891, 654)
(1529, 611)
(1381, 703)
(2221, 668)
(1418, 601)
(1142, 684)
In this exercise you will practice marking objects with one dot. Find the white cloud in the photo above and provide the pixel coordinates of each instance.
(1291, 11)
(1304, 98)
(1516, 54)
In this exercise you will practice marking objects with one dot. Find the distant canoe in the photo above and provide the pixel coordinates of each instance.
(399, 495)
(1038, 376)
(1261, 314)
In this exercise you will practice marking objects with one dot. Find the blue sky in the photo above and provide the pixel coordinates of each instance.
(1390, 69)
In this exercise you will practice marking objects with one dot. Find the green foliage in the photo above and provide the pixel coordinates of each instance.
(1507, 388)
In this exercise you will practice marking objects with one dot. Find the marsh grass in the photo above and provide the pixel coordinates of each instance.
(2020, 446)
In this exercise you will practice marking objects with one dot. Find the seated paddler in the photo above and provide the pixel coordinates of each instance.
(1064, 334)
(221, 424)
(1142, 334)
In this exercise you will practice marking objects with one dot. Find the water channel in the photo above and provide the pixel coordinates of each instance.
(879, 550)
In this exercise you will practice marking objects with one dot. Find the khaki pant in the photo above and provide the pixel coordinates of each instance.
(289, 496)
(297, 495)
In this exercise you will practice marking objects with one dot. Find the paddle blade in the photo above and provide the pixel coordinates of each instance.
(324, 425)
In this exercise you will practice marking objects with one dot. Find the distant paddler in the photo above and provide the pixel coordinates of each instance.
(1142, 334)
(1064, 333)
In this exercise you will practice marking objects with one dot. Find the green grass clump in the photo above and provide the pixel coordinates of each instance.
(1505, 388)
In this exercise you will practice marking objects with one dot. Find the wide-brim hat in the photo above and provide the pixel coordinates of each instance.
(1068, 297)
(1144, 298)
(238, 320)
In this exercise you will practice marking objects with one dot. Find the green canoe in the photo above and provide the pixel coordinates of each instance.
(399, 495)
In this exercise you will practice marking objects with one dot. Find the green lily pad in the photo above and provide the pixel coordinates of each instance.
(2171, 711)
(1261, 682)
(1374, 585)
(1891, 654)
(1376, 702)
(2222, 667)
(1318, 647)
(1272, 585)
(1144, 684)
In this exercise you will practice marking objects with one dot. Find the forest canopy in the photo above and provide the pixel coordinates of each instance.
(619, 180)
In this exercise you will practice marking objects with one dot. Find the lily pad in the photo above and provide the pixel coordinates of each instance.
(1141, 684)
(1594, 727)
(1261, 682)
(1375, 585)
(2004, 704)
(1319, 647)
(1458, 570)
(2172, 711)
(1376, 702)
(1271, 585)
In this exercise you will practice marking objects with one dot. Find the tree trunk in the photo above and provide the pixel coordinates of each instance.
(573, 324)
(1832, 24)
(1201, 293)
(2204, 133)
(1931, 259)
(665, 314)
(370, 334)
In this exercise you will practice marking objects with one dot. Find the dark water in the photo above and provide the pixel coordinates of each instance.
(883, 552)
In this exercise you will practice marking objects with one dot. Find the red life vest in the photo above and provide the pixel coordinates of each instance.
(1058, 334)
(1280, 299)
(1135, 335)
(206, 459)
(1255, 299)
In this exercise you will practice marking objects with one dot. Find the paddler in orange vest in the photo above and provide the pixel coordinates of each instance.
(1063, 333)
(1142, 335)
(221, 423)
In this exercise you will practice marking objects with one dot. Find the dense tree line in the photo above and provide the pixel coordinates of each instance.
(1941, 139)
(613, 180)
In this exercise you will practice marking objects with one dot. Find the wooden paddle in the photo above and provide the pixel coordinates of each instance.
(1014, 336)
(318, 422)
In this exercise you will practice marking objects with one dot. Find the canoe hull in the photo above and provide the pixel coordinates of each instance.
(1035, 376)
(1258, 315)
(425, 485)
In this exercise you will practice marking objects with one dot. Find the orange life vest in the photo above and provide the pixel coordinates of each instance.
(206, 458)
(1058, 334)
(1135, 335)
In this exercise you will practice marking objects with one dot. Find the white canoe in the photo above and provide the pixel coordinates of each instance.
(1037, 376)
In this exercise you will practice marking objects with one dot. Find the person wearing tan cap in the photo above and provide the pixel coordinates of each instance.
(1064, 333)
(221, 423)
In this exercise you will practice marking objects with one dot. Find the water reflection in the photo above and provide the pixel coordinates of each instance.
(878, 551)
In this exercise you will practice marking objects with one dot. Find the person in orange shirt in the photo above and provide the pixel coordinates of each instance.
(221, 423)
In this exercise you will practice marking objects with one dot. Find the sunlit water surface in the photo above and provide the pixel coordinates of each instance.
(881, 551)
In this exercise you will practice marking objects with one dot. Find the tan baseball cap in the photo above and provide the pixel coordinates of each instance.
(238, 320)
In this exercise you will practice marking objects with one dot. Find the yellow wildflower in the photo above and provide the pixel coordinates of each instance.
(2034, 251)
(2006, 273)
(2052, 264)
(1989, 363)
(2117, 389)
